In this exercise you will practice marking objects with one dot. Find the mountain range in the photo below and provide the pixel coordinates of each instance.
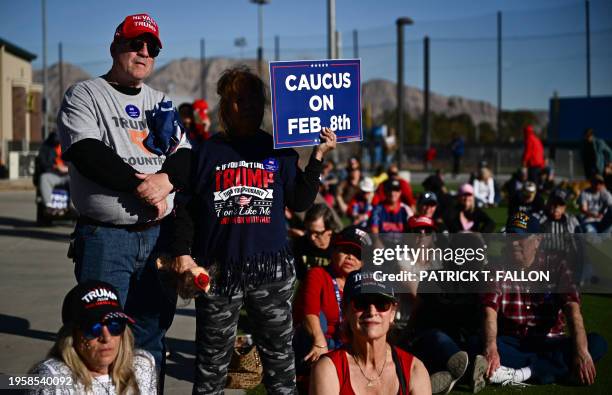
(180, 79)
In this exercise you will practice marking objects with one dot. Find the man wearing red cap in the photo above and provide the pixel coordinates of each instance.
(533, 153)
(201, 119)
(121, 188)
(391, 216)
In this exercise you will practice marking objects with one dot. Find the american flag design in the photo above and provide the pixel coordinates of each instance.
(244, 200)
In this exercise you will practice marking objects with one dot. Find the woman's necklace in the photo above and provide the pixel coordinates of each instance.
(105, 386)
(373, 382)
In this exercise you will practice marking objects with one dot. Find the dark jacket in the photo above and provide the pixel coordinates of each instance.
(46, 158)
(482, 222)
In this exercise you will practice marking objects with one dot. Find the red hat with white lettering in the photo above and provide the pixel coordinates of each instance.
(137, 25)
(421, 222)
(91, 302)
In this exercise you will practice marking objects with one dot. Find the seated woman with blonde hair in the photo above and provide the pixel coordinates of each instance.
(94, 351)
(368, 363)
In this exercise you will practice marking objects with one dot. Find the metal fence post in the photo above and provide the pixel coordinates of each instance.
(571, 164)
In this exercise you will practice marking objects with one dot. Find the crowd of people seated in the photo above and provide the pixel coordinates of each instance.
(501, 337)
(344, 332)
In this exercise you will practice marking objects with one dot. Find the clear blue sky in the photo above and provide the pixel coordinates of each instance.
(544, 52)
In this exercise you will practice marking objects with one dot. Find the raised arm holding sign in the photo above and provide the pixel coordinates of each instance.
(233, 225)
(308, 96)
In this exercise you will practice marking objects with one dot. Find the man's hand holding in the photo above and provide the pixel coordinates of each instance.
(63, 169)
(183, 263)
(154, 188)
(161, 208)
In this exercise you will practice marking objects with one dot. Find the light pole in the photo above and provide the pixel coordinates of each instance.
(499, 74)
(426, 117)
(401, 22)
(45, 102)
(331, 29)
(202, 76)
(587, 6)
(260, 4)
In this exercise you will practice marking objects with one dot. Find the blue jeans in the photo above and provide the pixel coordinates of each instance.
(602, 226)
(550, 360)
(590, 227)
(126, 260)
(434, 348)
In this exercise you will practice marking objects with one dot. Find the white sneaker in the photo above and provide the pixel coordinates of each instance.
(502, 374)
(512, 383)
(507, 377)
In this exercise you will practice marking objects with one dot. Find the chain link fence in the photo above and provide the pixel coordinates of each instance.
(543, 52)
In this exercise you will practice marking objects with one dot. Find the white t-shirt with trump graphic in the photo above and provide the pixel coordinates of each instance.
(93, 109)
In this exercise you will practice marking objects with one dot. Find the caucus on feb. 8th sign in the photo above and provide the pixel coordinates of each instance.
(309, 95)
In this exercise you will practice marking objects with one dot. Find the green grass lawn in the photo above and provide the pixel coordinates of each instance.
(597, 317)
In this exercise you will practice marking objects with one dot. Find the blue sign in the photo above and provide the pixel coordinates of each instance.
(309, 95)
(132, 111)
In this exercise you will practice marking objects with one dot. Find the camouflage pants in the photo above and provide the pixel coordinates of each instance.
(268, 309)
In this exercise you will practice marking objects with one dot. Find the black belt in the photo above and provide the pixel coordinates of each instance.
(139, 227)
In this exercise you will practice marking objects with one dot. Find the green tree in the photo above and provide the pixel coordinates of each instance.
(487, 133)
(513, 123)
(412, 127)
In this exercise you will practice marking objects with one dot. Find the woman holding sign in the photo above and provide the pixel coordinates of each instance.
(234, 227)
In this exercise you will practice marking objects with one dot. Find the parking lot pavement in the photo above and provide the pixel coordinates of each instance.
(34, 277)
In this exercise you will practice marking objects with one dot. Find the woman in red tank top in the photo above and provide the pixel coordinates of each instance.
(368, 364)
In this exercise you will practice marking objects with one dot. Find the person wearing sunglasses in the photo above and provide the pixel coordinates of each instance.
(94, 351)
(317, 311)
(234, 227)
(314, 247)
(121, 189)
(368, 363)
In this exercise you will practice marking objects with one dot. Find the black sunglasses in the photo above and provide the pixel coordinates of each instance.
(115, 327)
(362, 304)
(136, 44)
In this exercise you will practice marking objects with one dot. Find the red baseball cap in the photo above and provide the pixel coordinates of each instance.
(200, 104)
(417, 222)
(137, 25)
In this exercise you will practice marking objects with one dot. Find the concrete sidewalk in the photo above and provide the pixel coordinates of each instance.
(34, 277)
(20, 184)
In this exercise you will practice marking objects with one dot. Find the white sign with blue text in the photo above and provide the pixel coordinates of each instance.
(309, 95)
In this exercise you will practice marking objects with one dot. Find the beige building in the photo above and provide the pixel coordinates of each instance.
(20, 100)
